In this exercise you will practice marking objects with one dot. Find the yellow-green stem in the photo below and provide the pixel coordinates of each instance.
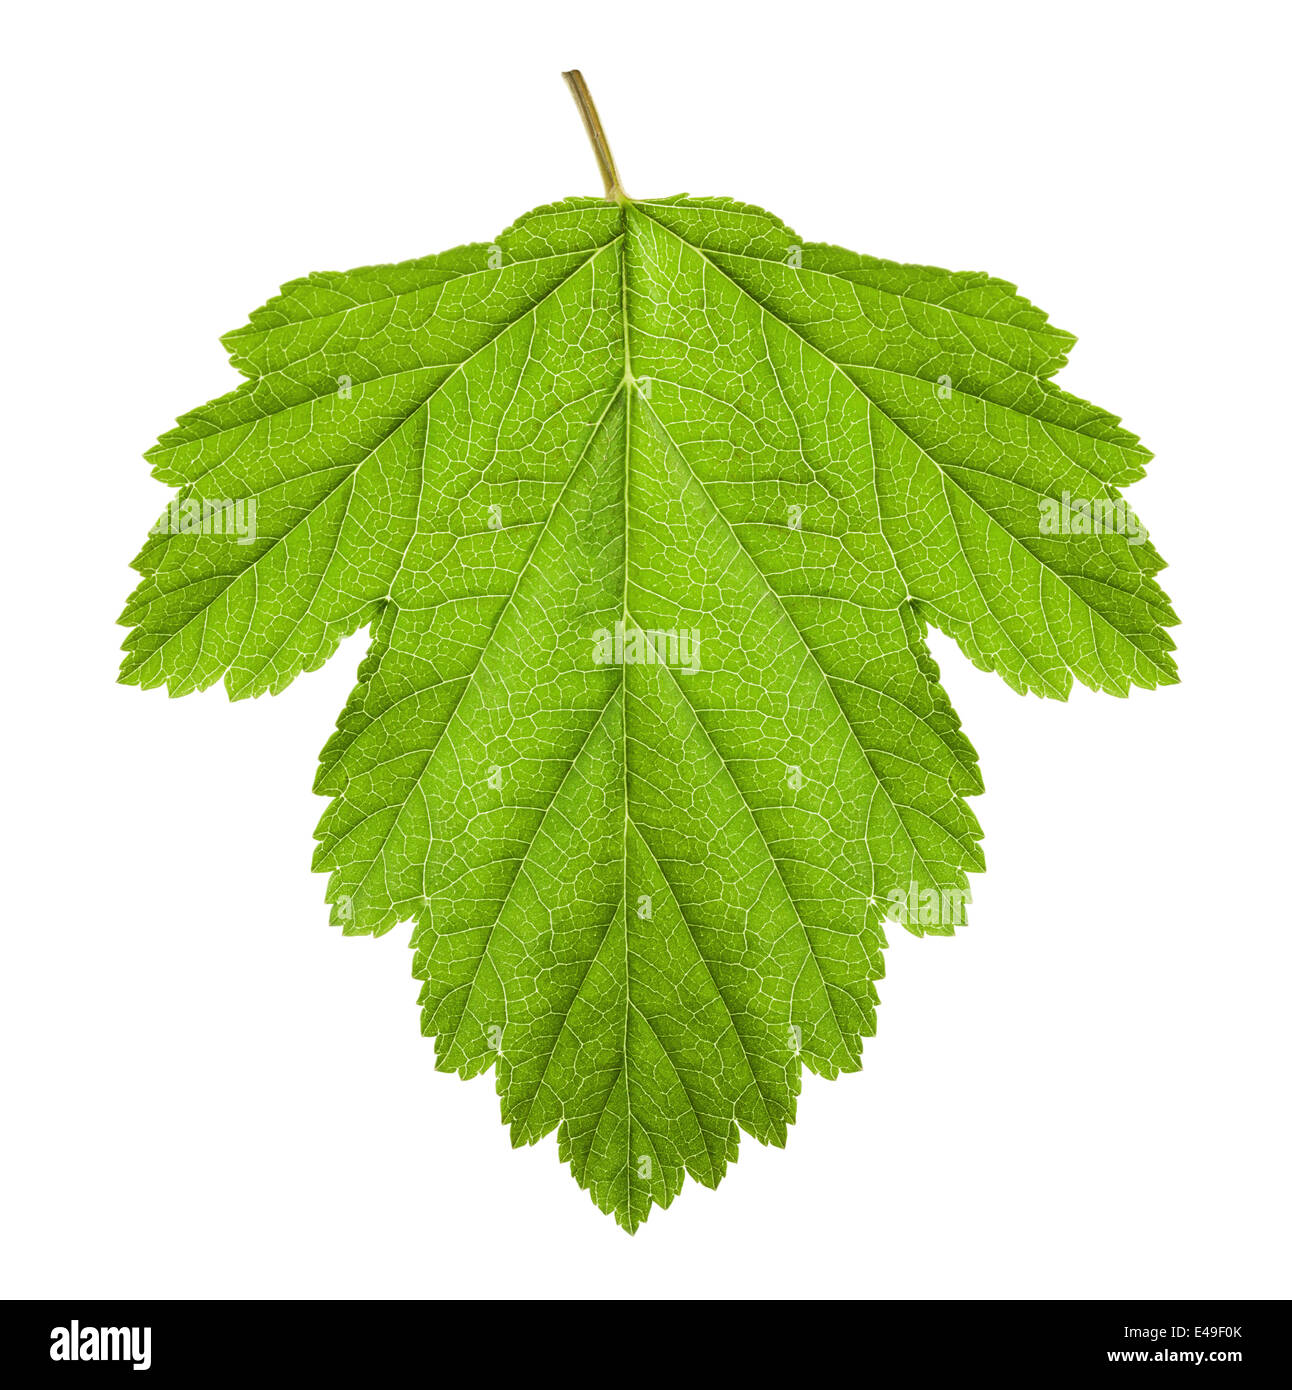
(600, 145)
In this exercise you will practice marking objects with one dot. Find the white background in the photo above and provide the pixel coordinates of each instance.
(206, 1090)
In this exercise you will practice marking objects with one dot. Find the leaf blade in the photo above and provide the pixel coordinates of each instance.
(746, 472)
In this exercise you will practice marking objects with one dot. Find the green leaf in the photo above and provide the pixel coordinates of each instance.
(648, 506)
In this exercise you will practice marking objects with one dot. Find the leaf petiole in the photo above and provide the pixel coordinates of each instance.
(600, 145)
